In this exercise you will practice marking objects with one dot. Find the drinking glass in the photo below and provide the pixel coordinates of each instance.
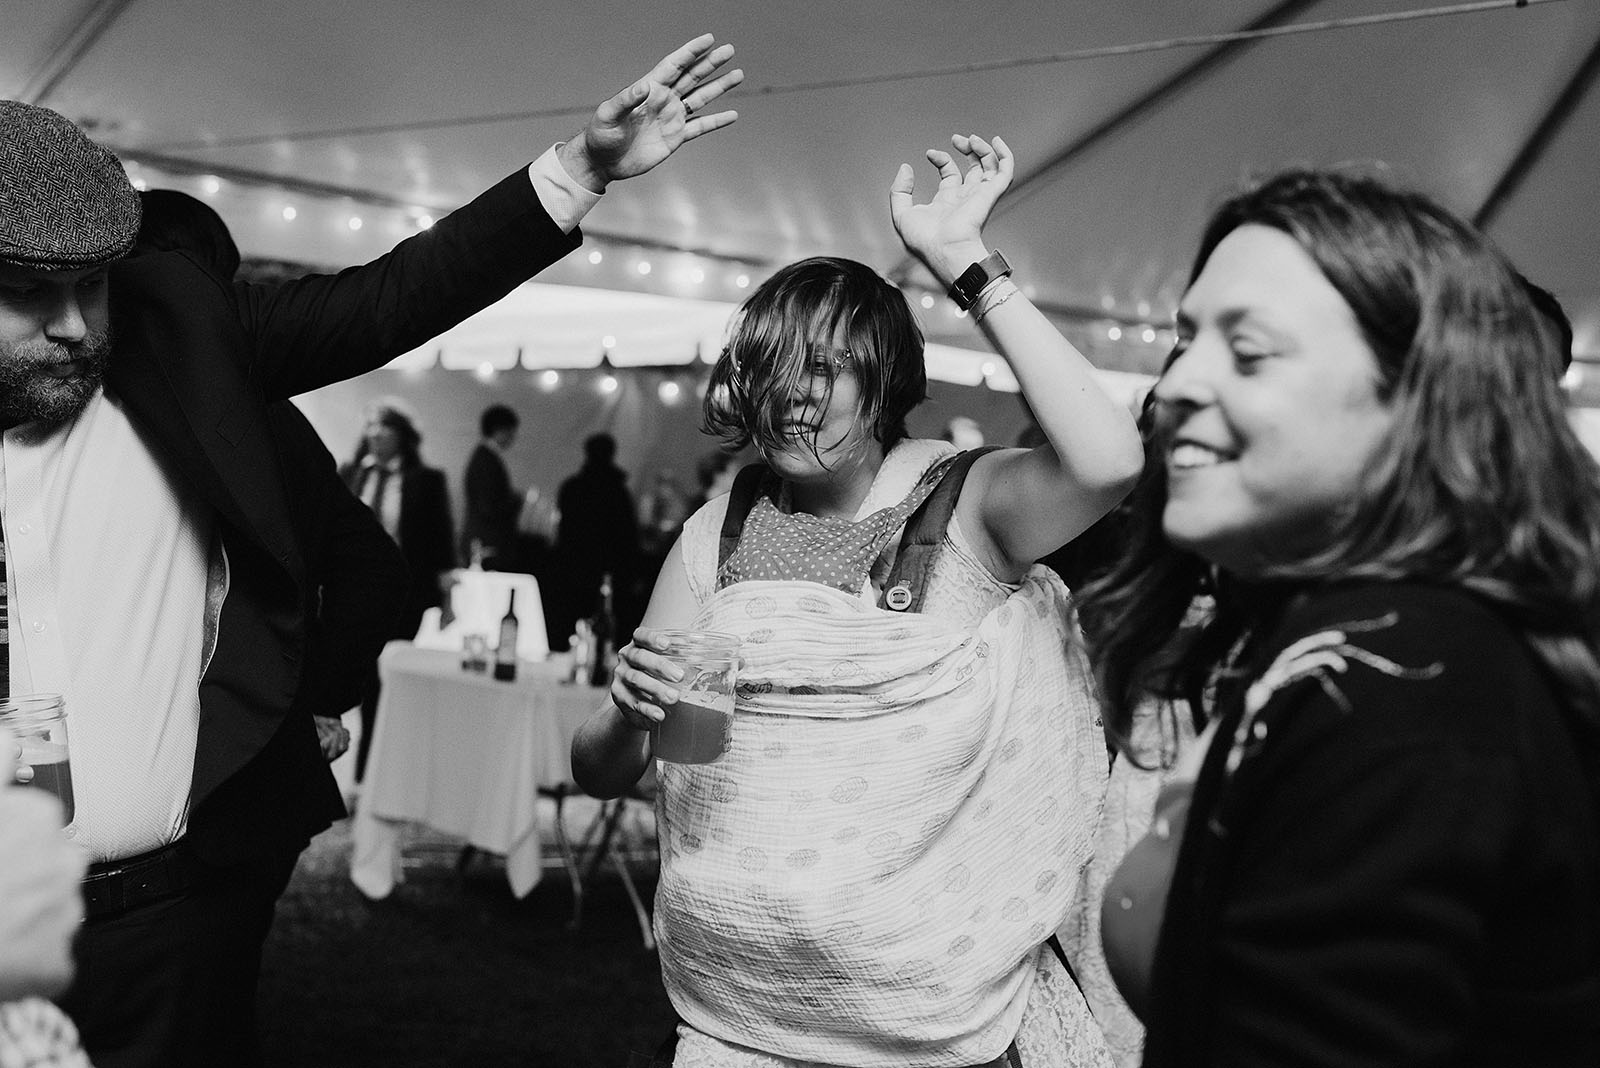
(39, 722)
(696, 729)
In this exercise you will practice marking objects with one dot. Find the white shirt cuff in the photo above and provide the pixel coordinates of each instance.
(564, 199)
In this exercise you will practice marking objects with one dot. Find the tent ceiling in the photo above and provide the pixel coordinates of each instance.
(421, 103)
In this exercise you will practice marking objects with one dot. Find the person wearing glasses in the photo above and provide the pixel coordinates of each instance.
(904, 812)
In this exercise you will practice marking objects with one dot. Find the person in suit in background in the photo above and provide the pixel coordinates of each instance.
(356, 568)
(150, 532)
(412, 502)
(489, 520)
(597, 534)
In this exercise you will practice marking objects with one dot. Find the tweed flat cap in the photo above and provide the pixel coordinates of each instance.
(65, 202)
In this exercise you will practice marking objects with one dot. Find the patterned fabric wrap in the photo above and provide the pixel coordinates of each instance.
(905, 813)
(36, 1034)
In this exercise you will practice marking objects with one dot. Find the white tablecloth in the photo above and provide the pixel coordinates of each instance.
(464, 754)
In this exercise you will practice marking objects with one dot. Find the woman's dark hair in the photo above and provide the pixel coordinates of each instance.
(768, 356)
(1482, 482)
(405, 429)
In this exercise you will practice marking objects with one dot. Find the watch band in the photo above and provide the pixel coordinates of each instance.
(965, 290)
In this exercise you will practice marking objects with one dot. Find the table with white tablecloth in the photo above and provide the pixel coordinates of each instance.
(465, 754)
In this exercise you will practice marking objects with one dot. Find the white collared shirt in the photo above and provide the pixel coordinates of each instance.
(108, 555)
(387, 509)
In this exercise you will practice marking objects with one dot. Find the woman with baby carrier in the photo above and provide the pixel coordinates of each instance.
(870, 874)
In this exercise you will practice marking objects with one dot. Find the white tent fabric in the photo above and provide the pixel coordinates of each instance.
(1129, 120)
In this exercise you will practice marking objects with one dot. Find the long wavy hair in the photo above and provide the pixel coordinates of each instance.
(393, 415)
(770, 353)
(1481, 483)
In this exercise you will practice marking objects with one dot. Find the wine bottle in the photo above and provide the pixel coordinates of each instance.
(505, 654)
(605, 632)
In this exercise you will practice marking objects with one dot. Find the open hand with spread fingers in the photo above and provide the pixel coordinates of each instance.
(651, 119)
(946, 233)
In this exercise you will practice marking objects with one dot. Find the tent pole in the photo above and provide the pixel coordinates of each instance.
(1539, 140)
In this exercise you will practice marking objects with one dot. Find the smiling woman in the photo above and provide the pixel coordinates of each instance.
(1385, 848)
(928, 684)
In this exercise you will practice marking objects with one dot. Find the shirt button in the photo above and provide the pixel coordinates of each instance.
(24, 528)
(38, 627)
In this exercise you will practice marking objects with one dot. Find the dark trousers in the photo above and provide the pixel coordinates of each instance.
(172, 984)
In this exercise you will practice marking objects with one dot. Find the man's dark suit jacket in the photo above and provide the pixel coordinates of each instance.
(427, 542)
(491, 509)
(355, 569)
(196, 360)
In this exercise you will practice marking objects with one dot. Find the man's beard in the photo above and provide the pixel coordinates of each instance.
(29, 393)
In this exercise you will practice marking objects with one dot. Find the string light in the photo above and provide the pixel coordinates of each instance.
(596, 256)
(742, 281)
(484, 371)
(697, 275)
(424, 220)
(669, 391)
(927, 300)
(1149, 335)
(549, 380)
(1115, 333)
(355, 222)
(608, 383)
(211, 184)
(643, 267)
(289, 213)
(608, 342)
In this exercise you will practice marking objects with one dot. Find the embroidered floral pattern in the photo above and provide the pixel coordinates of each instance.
(1318, 656)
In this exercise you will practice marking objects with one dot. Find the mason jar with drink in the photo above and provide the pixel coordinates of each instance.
(696, 730)
(38, 722)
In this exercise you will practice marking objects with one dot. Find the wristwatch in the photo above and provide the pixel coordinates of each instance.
(964, 290)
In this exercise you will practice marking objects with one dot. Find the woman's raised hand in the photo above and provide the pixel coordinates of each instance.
(644, 682)
(946, 233)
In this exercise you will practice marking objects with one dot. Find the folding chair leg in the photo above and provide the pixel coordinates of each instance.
(640, 913)
(569, 859)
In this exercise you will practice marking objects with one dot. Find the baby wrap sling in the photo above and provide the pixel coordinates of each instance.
(903, 816)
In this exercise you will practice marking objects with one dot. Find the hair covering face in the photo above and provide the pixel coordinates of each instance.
(65, 202)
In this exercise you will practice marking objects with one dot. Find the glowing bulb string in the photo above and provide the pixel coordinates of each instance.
(1077, 55)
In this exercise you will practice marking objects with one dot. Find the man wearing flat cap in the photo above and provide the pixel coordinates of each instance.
(154, 574)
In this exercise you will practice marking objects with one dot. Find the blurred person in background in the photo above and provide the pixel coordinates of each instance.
(597, 533)
(491, 506)
(412, 504)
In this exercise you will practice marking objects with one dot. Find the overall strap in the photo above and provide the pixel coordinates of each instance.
(908, 581)
(741, 498)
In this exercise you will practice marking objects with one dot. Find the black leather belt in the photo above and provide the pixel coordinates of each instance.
(114, 887)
